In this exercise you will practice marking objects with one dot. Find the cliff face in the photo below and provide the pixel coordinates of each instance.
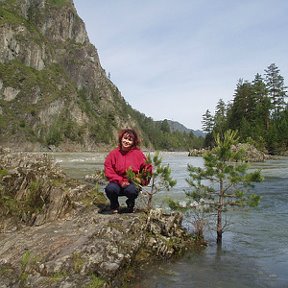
(53, 90)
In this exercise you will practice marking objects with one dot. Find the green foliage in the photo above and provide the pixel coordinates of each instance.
(7, 16)
(3, 172)
(24, 261)
(57, 277)
(59, 3)
(22, 117)
(276, 89)
(164, 126)
(208, 122)
(258, 111)
(34, 201)
(160, 179)
(54, 135)
(24, 208)
(77, 262)
(223, 182)
(219, 118)
(102, 123)
(28, 262)
(107, 111)
(160, 135)
(95, 282)
(95, 196)
(8, 204)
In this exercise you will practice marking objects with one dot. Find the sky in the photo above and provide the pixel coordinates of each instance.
(176, 59)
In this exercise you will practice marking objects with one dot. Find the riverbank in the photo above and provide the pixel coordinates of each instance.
(53, 236)
(252, 154)
(87, 248)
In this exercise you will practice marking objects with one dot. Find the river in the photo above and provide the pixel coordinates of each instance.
(255, 247)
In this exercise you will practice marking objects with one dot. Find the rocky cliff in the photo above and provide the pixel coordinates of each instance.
(53, 90)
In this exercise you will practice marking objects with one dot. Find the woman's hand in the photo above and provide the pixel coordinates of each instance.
(124, 183)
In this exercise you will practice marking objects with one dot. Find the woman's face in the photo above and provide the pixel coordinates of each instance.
(127, 141)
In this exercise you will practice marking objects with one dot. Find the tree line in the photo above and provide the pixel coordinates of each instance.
(258, 111)
(162, 137)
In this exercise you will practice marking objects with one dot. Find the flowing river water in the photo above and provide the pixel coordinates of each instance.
(255, 246)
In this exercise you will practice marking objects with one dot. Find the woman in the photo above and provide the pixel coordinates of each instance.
(127, 156)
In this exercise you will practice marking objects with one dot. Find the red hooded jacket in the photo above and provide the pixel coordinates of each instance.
(118, 162)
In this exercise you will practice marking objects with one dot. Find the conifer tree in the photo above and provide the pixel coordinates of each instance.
(276, 89)
(208, 126)
(220, 118)
(228, 180)
(160, 179)
(263, 103)
(207, 122)
(257, 112)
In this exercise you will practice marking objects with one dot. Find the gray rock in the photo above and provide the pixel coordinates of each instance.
(67, 245)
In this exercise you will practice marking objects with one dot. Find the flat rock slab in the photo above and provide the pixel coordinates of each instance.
(71, 252)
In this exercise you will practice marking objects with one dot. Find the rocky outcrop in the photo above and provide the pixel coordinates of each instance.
(75, 251)
(34, 190)
(196, 152)
(251, 153)
(53, 89)
(53, 236)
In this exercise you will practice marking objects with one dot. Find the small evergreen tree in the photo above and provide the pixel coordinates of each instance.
(228, 180)
(160, 179)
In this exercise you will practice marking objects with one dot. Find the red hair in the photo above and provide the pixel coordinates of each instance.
(132, 133)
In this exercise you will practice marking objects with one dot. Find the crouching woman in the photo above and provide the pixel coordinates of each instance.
(126, 157)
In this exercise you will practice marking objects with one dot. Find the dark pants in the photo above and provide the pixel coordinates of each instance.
(114, 190)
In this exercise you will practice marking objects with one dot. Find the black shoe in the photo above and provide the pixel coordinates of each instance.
(130, 209)
(108, 211)
(130, 206)
(126, 210)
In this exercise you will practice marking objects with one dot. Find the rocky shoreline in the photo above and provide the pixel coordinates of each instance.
(81, 250)
(62, 240)
(252, 154)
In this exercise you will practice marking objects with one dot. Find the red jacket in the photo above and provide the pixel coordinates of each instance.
(118, 162)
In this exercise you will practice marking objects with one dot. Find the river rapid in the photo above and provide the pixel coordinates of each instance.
(255, 246)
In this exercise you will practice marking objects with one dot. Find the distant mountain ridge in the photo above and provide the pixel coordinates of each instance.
(176, 126)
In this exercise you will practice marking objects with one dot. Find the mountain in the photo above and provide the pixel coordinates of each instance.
(176, 126)
(54, 93)
(53, 89)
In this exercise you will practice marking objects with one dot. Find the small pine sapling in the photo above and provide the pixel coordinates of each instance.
(160, 179)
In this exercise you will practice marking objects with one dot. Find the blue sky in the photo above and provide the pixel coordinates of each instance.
(175, 59)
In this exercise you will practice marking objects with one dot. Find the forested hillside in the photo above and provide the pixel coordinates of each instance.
(54, 93)
(258, 111)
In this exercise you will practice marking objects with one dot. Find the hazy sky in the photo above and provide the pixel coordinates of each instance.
(175, 59)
